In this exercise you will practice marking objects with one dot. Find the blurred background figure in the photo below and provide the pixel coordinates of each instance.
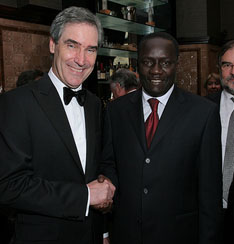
(212, 83)
(122, 82)
(27, 76)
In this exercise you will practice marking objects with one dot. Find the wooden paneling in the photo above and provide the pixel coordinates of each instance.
(188, 70)
(23, 46)
(196, 61)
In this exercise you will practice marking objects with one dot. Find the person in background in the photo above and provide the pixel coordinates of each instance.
(162, 151)
(122, 82)
(212, 83)
(50, 140)
(225, 101)
(29, 75)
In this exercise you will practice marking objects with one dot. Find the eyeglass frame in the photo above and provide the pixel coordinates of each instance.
(226, 66)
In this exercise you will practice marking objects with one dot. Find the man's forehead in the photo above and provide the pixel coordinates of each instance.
(87, 34)
(229, 53)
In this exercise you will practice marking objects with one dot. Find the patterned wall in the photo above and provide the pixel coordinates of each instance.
(196, 61)
(23, 46)
(188, 70)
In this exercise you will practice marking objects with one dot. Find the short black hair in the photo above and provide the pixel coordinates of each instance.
(27, 76)
(163, 35)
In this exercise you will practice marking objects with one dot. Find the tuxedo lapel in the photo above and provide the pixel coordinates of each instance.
(49, 100)
(137, 119)
(170, 116)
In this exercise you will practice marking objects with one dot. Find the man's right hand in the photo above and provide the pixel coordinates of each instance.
(101, 194)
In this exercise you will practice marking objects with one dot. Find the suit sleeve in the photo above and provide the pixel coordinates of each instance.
(107, 166)
(20, 187)
(210, 180)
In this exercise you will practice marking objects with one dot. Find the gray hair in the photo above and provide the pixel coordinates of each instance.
(227, 46)
(126, 78)
(74, 15)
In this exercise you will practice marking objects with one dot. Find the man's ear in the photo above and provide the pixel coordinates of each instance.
(117, 88)
(52, 45)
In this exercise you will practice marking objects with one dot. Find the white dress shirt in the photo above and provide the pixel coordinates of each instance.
(73, 111)
(161, 105)
(226, 108)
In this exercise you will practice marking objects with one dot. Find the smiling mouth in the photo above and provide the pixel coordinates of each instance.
(76, 69)
(156, 82)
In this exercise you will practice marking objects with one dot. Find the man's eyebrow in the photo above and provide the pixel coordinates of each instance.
(225, 62)
(93, 47)
(71, 41)
(77, 43)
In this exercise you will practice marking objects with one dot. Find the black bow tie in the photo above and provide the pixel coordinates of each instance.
(68, 94)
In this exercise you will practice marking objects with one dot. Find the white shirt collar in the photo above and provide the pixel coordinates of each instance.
(227, 95)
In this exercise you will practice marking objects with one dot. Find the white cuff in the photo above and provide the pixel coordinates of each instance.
(88, 202)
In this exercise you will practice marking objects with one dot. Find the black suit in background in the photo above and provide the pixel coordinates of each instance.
(215, 97)
(228, 213)
(41, 176)
(171, 193)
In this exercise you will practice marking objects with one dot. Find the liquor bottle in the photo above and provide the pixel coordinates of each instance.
(98, 72)
(151, 15)
(111, 71)
(104, 8)
(103, 72)
(104, 4)
(107, 72)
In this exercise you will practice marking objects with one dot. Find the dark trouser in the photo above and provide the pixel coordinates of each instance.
(6, 229)
(228, 227)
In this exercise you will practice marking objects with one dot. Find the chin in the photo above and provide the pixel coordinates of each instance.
(154, 93)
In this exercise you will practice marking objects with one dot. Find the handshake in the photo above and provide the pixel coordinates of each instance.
(101, 194)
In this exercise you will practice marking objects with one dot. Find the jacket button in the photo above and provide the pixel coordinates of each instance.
(145, 190)
(147, 160)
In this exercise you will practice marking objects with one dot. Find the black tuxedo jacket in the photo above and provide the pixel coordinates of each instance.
(171, 192)
(41, 176)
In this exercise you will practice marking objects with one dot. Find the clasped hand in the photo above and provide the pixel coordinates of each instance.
(101, 194)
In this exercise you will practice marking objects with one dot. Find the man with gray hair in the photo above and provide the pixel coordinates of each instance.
(122, 82)
(49, 156)
(225, 100)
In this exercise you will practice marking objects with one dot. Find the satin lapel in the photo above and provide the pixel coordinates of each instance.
(50, 102)
(137, 118)
(171, 114)
(90, 121)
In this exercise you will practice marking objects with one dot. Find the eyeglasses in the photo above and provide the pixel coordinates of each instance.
(226, 66)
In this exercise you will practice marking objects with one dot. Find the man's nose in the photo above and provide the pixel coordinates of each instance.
(156, 68)
(80, 57)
